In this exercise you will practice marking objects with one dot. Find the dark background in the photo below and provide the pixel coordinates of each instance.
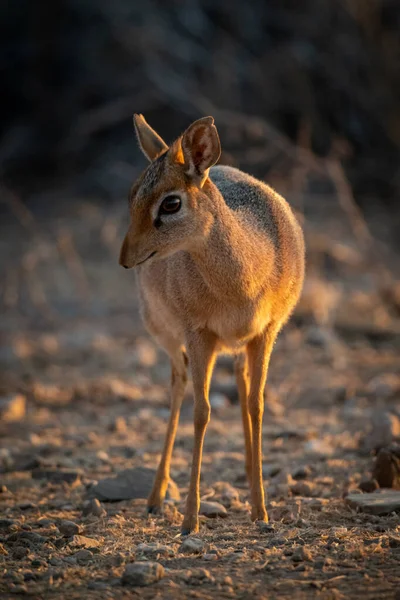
(325, 74)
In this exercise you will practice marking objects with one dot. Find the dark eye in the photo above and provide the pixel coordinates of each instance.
(170, 204)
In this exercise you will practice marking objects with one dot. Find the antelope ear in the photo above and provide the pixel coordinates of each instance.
(149, 141)
(201, 148)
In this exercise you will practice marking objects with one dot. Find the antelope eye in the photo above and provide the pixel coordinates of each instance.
(170, 204)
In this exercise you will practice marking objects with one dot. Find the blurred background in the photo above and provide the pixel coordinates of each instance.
(305, 95)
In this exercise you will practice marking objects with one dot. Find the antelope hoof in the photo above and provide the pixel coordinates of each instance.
(189, 526)
(154, 509)
(259, 514)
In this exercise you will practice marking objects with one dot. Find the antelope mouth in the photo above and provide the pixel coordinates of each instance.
(147, 258)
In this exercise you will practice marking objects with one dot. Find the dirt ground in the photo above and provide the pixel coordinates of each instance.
(96, 390)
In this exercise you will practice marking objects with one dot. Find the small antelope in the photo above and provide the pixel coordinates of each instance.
(220, 266)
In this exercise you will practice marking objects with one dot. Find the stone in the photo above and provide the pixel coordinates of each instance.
(155, 549)
(7, 524)
(212, 509)
(20, 552)
(218, 401)
(197, 576)
(384, 386)
(71, 476)
(93, 507)
(142, 573)
(302, 472)
(380, 502)
(33, 537)
(368, 485)
(394, 541)
(119, 425)
(12, 408)
(385, 429)
(192, 545)
(301, 553)
(130, 484)
(69, 528)
(386, 470)
(81, 541)
(303, 488)
(83, 556)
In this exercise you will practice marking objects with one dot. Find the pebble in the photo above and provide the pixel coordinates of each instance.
(7, 524)
(302, 472)
(394, 541)
(82, 556)
(131, 484)
(219, 401)
(197, 576)
(93, 507)
(142, 573)
(212, 509)
(33, 537)
(69, 528)
(368, 485)
(78, 541)
(301, 553)
(264, 527)
(12, 408)
(210, 557)
(303, 488)
(20, 552)
(153, 548)
(192, 545)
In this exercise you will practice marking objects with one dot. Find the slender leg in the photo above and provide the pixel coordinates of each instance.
(201, 350)
(178, 384)
(258, 354)
(242, 381)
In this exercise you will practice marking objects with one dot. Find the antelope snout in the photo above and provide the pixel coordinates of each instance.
(124, 255)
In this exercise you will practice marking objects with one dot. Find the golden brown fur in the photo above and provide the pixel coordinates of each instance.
(227, 272)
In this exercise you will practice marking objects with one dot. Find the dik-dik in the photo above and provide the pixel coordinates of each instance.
(220, 265)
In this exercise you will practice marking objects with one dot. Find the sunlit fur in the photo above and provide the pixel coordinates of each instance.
(227, 274)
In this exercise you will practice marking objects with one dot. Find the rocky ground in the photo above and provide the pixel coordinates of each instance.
(83, 411)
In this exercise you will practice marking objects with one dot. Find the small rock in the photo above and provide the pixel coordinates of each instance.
(81, 541)
(368, 485)
(69, 528)
(93, 507)
(83, 556)
(43, 522)
(18, 588)
(38, 563)
(71, 476)
(302, 472)
(12, 408)
(210, 557)
(131, 484)
(155, 549)
(387, 467)
(212, 509)
(271, 470)
(380, 502)
(385, 429)
(192, 545)
(33, 537)
(264, 527)
(301, 553)
(303, 488)
(142, 573)
(27, 505)
(7, 524)
(4, 489)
